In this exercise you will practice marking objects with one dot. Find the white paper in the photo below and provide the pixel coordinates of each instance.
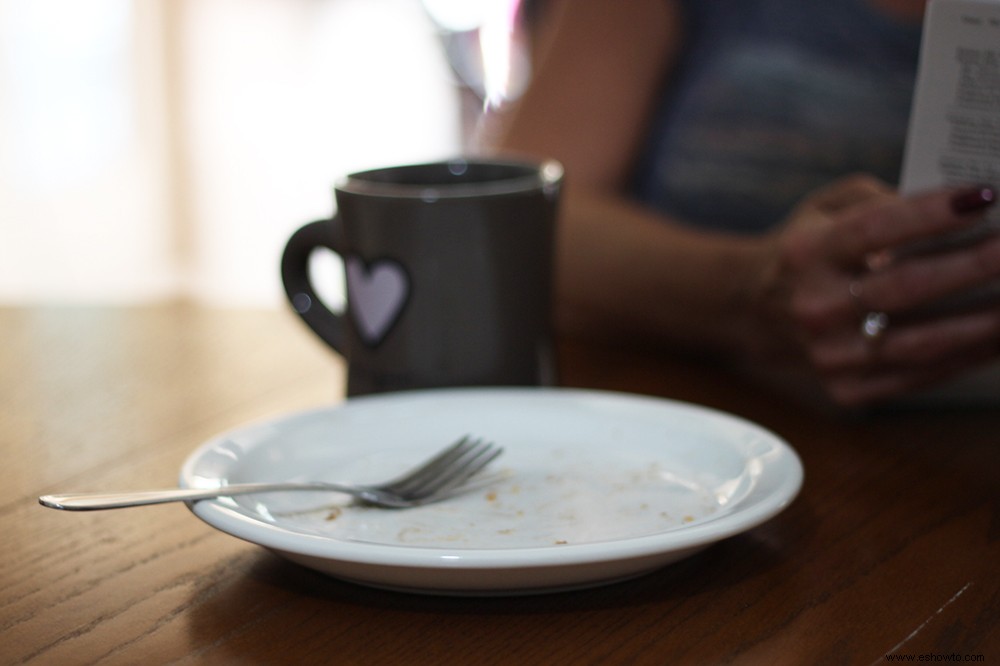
(954, 133)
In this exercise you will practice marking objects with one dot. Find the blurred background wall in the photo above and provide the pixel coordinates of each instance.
(164, 149)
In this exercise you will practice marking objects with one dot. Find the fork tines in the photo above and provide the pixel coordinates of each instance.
(447, 471)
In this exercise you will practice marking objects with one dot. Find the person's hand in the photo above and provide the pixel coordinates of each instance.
(852, 305)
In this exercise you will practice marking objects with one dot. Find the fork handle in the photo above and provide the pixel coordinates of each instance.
(121, 500)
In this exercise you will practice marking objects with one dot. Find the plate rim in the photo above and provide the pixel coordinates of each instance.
(229, 519)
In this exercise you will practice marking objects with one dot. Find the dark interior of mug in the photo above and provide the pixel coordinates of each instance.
(449, 173)
(450, 178)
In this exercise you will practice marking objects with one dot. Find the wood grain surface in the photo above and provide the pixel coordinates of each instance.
(892, 548)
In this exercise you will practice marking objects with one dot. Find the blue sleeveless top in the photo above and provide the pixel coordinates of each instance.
(771, 99)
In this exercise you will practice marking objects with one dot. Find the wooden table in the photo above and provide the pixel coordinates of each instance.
(893, 546)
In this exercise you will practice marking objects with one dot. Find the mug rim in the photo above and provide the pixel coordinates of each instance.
(545, 173)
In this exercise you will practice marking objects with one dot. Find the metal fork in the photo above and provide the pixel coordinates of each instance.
(436, 479)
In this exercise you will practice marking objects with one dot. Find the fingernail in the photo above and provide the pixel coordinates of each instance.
(972, 200)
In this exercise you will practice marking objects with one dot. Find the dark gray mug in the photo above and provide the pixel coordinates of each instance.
(448, 271)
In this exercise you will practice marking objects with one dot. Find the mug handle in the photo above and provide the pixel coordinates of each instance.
(328, 325)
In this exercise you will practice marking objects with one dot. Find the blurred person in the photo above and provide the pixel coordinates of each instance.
(729, 190)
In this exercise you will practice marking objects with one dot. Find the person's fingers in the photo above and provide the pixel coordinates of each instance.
(891, 223)
(924, 279)
(854, 389)
(848, 191)
(908, 345)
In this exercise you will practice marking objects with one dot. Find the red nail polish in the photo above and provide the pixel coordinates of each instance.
(972, 200)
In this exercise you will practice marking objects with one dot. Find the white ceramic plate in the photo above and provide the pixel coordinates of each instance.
(593, 487)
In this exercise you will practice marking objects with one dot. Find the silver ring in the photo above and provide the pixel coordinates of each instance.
(874, 325)
(855, 290)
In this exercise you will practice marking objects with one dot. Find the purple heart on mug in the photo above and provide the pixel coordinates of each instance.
(376, 294)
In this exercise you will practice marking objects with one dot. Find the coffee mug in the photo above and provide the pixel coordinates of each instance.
(448, 269)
